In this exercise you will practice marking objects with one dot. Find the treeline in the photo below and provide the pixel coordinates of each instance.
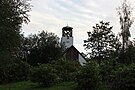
(109, 67)
(12, 14)
(38, 57)
(111, 58)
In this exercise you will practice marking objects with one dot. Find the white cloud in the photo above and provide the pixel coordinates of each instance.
(52, 15)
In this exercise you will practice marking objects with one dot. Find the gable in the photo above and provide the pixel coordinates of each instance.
(72, 54)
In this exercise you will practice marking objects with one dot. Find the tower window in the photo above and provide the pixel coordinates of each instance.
(67, 31)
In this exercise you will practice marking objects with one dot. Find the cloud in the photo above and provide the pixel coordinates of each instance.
(52, 15)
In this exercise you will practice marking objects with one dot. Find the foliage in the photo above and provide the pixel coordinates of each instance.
(126, 20)
(129, 55)
(16, 70)
(56, 72)
(41, 48)
(101, 42)
(43, 74)
(88, 77)
(13, 13)
(107, 72)
(66, 70)
(117, 76)
(124, 78)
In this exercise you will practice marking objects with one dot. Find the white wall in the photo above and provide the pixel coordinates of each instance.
(67, 41)
(81, 60)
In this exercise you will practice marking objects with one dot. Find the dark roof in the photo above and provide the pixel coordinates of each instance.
(75, 49)
(67, 27)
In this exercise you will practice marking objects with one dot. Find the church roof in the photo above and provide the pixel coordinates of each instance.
(67, 27)
(75, 49)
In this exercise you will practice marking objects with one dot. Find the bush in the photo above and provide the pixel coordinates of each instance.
(16, 70)
(88, 77)
(43, 74)
(66, 70)
(124, 78)
(19, 71)
(107, 72)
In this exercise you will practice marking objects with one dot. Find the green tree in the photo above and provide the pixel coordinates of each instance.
(16, 70)
(66, 69)
(101, 42)
(43, 74)
(129, 55)
(12, 14)
(41, 48)
(124, 78)
(88, 77)
(126, 20)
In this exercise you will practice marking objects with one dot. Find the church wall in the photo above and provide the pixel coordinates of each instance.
(67, 41)
(72, 54)
(81, 60)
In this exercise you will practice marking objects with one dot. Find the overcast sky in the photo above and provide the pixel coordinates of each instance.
(52, 15)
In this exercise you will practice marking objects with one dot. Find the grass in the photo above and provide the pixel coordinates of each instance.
(26, 85)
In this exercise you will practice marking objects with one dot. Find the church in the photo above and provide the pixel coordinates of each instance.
(70, 53)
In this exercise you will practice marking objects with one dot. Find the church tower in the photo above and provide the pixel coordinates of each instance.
(67, 38)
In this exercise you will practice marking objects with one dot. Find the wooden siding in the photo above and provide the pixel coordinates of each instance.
(72, 54)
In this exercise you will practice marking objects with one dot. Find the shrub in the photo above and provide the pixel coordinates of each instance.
(88, 77)
(43, 74)
(107, 72)
(124, 78)
(19, 71)
(66, 69)
(16, 70)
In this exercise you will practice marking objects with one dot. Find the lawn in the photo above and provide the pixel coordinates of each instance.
(26, 85)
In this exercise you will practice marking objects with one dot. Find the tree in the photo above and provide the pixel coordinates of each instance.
(43, 74)
(101, 42)
(12, 14)
(41, 48)
(128, 57)
(126, 20)
(124, 77)
(88, 77)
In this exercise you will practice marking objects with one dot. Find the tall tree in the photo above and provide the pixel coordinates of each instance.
(41, 48)
(12, 14)
(101, 42)
(126, 20)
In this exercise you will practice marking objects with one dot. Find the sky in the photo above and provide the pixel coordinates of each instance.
(52, 15)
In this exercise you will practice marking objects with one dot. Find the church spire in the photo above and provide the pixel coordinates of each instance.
(67, 38)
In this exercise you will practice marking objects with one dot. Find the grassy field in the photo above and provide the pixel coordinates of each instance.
(26, 85)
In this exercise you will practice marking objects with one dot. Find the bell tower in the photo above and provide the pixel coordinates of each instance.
(67, 38)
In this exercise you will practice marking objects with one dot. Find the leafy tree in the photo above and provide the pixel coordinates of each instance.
(41, 48)
(12, 14)
(66, 69)
(126, 20)
(107, 71)
(16, 70)
(124, 78)
(88, 77)
(129, 55)
(101, 42)
(43, 74)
